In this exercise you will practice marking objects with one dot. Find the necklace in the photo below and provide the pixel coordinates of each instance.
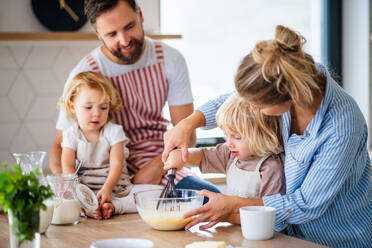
(299, 122)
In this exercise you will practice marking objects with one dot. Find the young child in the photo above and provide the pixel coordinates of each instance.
(250, 158)
(90, 101)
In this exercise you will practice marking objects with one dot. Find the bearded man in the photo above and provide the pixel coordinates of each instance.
(147, 74)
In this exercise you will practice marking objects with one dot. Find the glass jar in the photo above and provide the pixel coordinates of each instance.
(66, 206)
(23, 228)
(69, 197)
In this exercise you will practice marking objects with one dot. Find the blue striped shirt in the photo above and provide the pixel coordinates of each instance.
(327, 169)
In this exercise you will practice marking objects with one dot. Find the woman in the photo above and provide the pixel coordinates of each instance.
(327, 167)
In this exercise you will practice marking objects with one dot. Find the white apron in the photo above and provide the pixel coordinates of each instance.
(244, 183)
(96, 165)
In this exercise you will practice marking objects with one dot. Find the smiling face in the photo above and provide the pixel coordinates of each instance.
(91, 109)
(122, 33)
(238, 146)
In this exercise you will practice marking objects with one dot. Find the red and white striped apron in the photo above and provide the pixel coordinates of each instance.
(143, 93)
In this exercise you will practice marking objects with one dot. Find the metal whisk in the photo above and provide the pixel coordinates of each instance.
(169, 190)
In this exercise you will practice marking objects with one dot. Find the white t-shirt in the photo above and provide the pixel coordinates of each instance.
(112, 132)
(179, 88)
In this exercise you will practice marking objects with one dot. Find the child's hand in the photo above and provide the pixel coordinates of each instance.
(174, 160)
(104, 195)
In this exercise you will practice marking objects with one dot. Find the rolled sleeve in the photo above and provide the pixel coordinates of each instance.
(210, 108)
(276, 201)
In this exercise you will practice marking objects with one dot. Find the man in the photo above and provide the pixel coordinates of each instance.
(146, 73)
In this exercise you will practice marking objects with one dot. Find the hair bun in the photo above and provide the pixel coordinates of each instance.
(288, 40)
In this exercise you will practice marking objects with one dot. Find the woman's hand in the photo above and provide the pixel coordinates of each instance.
(174, 160)
(179, 136)
(219, 208)
(104, 195)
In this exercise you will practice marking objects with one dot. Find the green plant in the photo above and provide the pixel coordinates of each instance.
(23, 195)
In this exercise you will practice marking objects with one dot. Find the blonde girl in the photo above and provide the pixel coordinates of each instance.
(249, 158)
(90, 102)
(327, 166)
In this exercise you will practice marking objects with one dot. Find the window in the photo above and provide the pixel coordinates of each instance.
(217, 34)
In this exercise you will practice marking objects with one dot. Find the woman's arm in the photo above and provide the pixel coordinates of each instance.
(178, 137)
(68, 160)
(153, 172)
(180, 112)
(328, 171)
(220, 207)
(116, 167)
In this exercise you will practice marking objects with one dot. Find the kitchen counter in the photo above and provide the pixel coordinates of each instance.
(131, 225)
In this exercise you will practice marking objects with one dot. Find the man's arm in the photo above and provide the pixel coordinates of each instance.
(153, 172)
(55, 154)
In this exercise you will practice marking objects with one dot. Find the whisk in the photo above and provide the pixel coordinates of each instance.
(169, 190)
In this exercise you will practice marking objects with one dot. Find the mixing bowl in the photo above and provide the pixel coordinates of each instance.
(167, 213)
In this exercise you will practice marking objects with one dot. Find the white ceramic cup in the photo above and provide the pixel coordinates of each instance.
(257, 222)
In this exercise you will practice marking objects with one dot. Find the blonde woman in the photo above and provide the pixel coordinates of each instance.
(327, 167)
(90, 102)
(250, 158)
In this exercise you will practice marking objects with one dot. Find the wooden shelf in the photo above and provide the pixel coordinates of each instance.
(50, 36)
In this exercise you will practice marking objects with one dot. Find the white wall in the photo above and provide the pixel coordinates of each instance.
(356, 56)
(17, 16)
(32, 75)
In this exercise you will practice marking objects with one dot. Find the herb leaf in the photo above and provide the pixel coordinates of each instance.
(23, 195)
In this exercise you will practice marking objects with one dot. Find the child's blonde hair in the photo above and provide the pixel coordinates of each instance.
(263, 133)
(93, 80)
(279, 70)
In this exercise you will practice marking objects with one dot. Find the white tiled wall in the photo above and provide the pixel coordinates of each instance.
(32, 75)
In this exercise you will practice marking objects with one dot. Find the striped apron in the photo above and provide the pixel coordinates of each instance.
(143, 93)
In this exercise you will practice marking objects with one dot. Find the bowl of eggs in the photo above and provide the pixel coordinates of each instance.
(167, 213)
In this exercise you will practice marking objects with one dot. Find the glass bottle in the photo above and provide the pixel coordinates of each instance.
(23, 228)
(30, 161)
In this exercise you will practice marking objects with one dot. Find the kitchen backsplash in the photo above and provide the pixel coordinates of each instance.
(32, 76)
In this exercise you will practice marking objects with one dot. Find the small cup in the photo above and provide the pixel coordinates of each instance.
(257, 222)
